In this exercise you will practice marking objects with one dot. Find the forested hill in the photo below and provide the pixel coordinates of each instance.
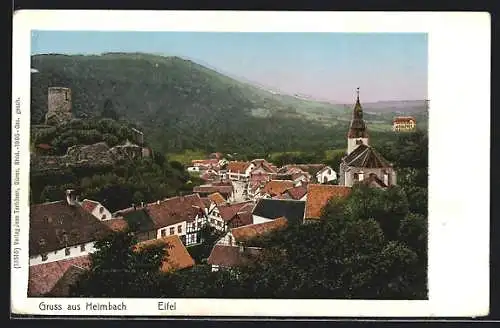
(180, 104)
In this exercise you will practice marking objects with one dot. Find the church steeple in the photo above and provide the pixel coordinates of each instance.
(357, 128)
(357, 133)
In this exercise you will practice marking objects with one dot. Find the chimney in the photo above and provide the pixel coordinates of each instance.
(142, 204)
(361, 176)
(71, 197)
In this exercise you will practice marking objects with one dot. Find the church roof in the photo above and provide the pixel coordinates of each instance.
(367, 157)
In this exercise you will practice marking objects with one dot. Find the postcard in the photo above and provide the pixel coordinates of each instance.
(250, 164)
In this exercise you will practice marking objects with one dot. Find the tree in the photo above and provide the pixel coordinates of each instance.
(109, 110)
(118, 270)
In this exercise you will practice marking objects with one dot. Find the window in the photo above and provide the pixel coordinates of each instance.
(82, 248)
(44, 257)
(67, 251)
(179, 229)
(172, 230)
(230, 240)
(355, 176)
(329, 172)
(101, 209)
(103, 217)
(163, 232)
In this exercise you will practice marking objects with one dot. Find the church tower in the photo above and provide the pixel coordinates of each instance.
(357, 130)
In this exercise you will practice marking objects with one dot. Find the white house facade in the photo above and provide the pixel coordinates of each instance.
(326, 175)
(63, 254)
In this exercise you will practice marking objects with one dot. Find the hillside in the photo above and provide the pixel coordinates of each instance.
(182, 105)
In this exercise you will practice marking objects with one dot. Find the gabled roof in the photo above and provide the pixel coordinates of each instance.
(318, 196)
(233, 256)
(227, 212)
(366, 157)
(70, 278)
(116, 224)
(176, 255)
(293, 210)
(89, 205)
(245, 233)
(238, 167)
(277, 187)
(209, 189)
(175, 210)
(217, 198)
(138, 220)
(206, 201)
(324, 169)
(296, 192)
(244, 218)
(57, 225)
(43, 277)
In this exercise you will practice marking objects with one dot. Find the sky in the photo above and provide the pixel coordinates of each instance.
(327, 66)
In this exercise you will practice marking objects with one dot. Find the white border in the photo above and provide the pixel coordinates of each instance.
(459, 93)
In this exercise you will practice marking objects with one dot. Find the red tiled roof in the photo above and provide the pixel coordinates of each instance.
(43, 277)
(277, 187)
(242, 218)
(174, 210)
(227, 212)
(232, 256)
(214, 188)
(116, 224)
(318, 196)
(206, 162)
(403, 119)
(248, 232)
(89, 205)
(206, 201)
(176, 255)
(237, 167)
(57, 225)
(217, 198)
(296, 192)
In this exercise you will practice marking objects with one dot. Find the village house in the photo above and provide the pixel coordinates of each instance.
(325, 175)
(239, 171)
(404, 123)
(295, 193)
(225, 216)
(242, 235)
(176, 255)
(96, 209)
(318, 196)
(275, 188)
(362, 160)
(269, 209)
(225, 257)
(64, 229)
(225, 189)
(182, 216)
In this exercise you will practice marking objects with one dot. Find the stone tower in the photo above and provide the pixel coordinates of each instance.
(357, 133)
(59, 106)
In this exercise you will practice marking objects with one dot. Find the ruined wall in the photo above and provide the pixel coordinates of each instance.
(59, 106)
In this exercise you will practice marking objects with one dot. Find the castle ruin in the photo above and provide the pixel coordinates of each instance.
(59, 106)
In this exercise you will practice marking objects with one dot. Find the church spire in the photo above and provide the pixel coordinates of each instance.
(357, 128)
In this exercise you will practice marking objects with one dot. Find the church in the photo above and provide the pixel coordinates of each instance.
(362, 163)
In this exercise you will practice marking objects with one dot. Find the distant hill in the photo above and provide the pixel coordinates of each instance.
(181, 105)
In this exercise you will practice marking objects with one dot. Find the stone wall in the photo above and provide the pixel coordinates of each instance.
(59, 106)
